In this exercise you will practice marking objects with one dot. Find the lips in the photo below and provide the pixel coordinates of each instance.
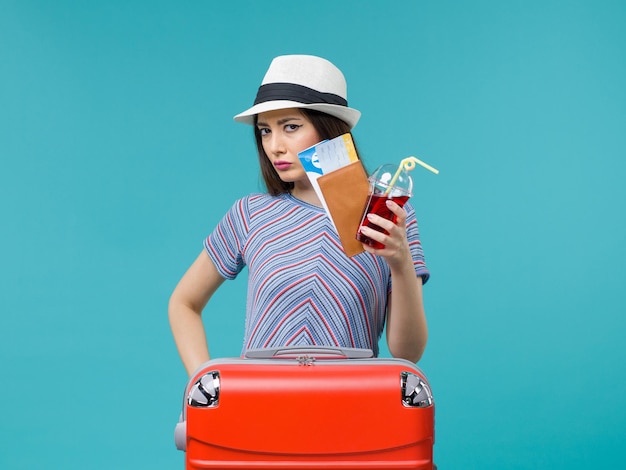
(282, 165)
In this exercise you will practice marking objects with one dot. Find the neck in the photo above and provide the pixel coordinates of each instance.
(306, 194)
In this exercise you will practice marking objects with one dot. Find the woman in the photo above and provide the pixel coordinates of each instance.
(302, 287)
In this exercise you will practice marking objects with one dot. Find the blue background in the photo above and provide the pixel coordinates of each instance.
(119, 154)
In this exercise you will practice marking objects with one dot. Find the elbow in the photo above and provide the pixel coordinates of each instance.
(410, 355)
(411, 350)
(172, 307)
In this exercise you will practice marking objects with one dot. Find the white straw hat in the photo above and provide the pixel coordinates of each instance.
(302, 81)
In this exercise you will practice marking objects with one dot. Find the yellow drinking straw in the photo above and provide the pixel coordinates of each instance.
(408, 164)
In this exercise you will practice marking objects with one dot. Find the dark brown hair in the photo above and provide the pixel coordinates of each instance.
(327, 127)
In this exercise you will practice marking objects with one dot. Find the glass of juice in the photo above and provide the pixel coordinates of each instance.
(382, 188)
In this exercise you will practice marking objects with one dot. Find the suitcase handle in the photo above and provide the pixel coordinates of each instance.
(316, 352)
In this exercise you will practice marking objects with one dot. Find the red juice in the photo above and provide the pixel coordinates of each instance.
(378, 205)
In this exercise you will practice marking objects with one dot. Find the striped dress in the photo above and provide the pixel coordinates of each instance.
(302, 288)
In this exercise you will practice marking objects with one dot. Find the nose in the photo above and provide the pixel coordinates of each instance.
(275, 144)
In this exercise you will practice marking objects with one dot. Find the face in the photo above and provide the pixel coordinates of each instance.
(284, 133)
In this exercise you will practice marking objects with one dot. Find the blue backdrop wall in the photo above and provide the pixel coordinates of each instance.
(119, 154)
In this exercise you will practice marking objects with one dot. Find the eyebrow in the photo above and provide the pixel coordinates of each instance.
(280, 122)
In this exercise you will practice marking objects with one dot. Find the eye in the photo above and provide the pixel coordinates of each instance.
(263, 131)
(292, 127)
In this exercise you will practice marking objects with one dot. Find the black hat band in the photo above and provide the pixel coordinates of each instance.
(298, 93)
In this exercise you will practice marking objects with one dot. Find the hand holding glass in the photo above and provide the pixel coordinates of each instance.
(383, 189)
(388, 183)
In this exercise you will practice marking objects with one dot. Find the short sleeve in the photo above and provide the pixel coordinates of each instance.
(415, 244)
(224, 244)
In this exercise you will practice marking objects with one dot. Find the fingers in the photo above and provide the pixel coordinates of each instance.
(381, 222)
(391, 235)
(385, 223)
(374, 235)
(398, 212)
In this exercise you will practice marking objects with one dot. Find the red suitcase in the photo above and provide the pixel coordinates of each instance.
(312, 408)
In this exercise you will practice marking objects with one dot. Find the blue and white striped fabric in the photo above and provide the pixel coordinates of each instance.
(302, 288)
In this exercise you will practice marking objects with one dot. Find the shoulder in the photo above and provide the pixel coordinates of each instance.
(265, 204)
(256, 203)
(251, 202)
(260, 208)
